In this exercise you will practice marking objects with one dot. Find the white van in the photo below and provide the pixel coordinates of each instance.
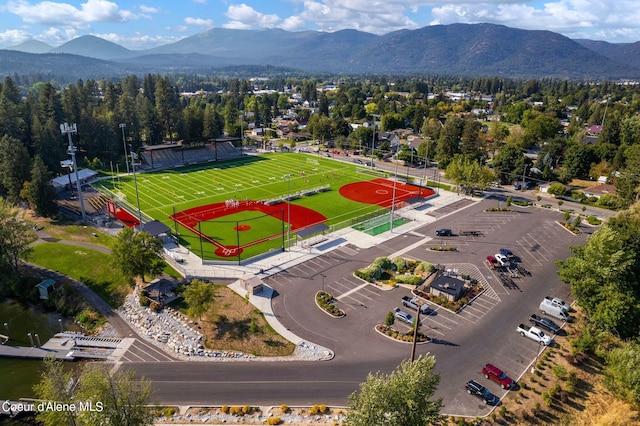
(553, 310)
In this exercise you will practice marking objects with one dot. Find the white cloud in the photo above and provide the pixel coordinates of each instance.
(149, 9)
(52, 13)
(13, 37)
(237, 25)
(373, 16)
(293, 23)
(138, 41)
(200, 1)
(246, 15)
(199, 22)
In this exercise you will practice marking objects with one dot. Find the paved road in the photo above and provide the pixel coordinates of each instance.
(484, 332)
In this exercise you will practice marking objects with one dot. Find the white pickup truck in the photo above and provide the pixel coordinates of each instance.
(534, 333)
(415, 304)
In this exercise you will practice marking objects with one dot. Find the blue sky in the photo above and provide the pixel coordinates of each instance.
(143, 24)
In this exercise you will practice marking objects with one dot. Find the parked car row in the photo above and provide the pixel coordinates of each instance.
(491, 372)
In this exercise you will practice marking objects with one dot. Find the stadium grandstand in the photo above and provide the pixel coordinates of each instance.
(189, 151)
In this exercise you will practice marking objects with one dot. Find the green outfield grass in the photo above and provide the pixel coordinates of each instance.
(254, 178)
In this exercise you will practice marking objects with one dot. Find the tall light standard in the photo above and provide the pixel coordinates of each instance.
(426, 162)
(69, 129)
(124, 145)
(288, 178)
(135, 183)
(373, 140)
(393, 197)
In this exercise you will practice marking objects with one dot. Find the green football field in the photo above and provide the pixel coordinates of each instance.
(263, 177)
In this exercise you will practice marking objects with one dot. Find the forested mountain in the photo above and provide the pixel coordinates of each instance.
(623, 53)
(453, 50)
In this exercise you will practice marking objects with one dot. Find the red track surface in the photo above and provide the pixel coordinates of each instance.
(380, 192)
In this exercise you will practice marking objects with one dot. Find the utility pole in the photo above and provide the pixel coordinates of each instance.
(69, 129)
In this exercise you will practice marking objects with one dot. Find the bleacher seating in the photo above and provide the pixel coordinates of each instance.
(164, 158)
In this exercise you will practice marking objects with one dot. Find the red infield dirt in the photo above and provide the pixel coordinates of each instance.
(380, 192)
(302, 217)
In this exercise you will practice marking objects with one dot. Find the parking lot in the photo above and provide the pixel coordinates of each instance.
(483, 331)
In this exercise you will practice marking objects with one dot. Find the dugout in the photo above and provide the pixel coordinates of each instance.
(313, 234)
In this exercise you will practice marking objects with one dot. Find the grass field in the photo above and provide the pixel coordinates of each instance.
(264, 177)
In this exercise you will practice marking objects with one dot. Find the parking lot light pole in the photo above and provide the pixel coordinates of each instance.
(323, 277)
(288, 177)
(393, 197)
(415, 335)
(533, 367)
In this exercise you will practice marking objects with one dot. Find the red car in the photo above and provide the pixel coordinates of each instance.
(493, 262)
(492, 372)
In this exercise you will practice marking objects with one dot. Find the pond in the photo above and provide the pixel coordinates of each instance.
(19, 375)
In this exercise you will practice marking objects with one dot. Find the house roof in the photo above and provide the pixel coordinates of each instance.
(449, 285)
(602, 189)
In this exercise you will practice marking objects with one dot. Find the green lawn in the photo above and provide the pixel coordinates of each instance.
(90, 267)
(255, 178)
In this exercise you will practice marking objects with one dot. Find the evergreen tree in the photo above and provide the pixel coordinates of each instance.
(39, 192)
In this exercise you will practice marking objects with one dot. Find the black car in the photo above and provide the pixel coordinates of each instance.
(444, 232)
(544, 322)
(476, 389)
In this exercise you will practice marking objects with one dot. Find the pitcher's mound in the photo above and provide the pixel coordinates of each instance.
(241, 228)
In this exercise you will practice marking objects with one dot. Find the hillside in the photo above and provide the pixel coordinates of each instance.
(454, 50)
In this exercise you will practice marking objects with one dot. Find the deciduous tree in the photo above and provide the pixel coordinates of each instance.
(137, 253)
(403, 397)
(198, 295)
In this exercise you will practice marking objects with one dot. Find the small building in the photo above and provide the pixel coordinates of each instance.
(252, 284)
(448, 287)
(44, 286)
(161, 291)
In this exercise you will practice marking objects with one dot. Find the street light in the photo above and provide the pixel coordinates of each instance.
(69, 129)
(323, 277)
(135, 183)
(533, 367)
(124, 145)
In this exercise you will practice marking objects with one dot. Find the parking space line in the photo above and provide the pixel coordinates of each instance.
(351, 291)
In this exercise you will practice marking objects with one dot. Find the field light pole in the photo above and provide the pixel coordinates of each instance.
(393, 197)
(288, 177)
(135, 183)
(69, 129)
(124, 145)
(426, 162)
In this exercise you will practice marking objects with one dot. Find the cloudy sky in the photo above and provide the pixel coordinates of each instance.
(147, 23)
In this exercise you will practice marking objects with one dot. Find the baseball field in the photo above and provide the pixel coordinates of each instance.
(237, 209)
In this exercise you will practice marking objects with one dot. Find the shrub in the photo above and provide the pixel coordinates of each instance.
(225, 409)
(274, 421)
(424, 268)
(547, 399)
(503, 411)
(315, 409)
(390, 319)
(538, 198)
(509, 200)
(592, 220)
(559, 371)
(401, 265)
(284, 408)
(323, 408)
(169, 412)
(144, 298)
(383, 262)
(155, 307)
(560, 202)
(363, 275)
(577, 221)
(409, 279)
(567, 216)
(235, 410)
(557, 189)
(246, 409)
(374, 271)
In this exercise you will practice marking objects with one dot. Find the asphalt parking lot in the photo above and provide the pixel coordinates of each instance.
(484, 331)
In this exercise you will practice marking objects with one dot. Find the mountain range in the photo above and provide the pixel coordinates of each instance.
(470, 50)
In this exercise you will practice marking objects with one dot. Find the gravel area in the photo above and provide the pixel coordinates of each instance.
(173, 332)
